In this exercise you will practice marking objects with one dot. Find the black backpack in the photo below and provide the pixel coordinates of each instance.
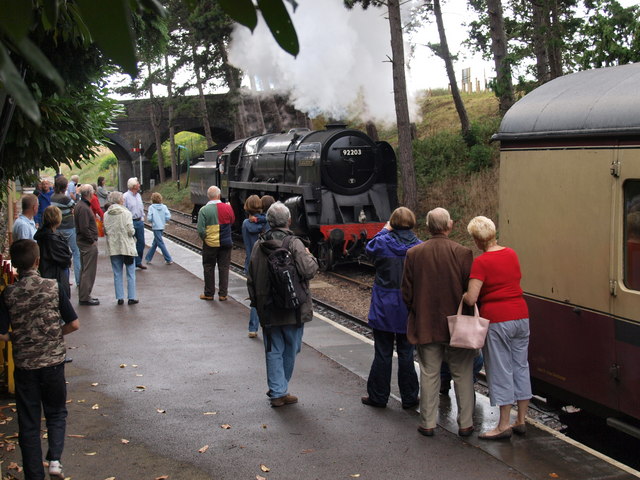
(287, 288)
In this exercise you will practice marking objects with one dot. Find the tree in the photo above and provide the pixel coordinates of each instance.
(610, 36)
(503, 84)
(405, 147)
(77, 27)
(443, 52)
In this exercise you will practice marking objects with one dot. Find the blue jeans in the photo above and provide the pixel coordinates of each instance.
(44, 387)
(286, 342)
(70, 235)
(158, 242)
(138, 226)
(117, 262)
(379, 381)
(254, 321)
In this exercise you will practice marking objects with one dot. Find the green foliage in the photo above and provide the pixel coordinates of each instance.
(610, 37)
(73, 126)
(439, 155)
(108, 161)
(480, 157)
(447, 153)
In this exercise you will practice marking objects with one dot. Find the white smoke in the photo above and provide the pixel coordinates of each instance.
(343, 67)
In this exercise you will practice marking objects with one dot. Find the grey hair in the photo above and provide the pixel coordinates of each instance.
(278, 215)
(116, 197)
(75, 178)
(85, 190)
(132, 182)
(213, 192)
(438, 221)
(483, 231)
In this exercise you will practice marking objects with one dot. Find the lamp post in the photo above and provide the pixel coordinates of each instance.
(180, 147)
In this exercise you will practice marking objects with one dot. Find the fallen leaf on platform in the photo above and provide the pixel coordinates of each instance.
(264, 468)
(76, 436)
(95, 384)
(163, 477)
(355, 475)
(160, 410)
(139, 375)
(81, 401)
(264, 425)
(210, 413)
(308, 450)
(14, 466)
(203, 449)
(260, 477)
(11, 447)
(90, 454)
(15, 435)
(69, 401)
(124, 441)
(122, 365)
(45, 435)
(141, 387)
(95, 407)
(110, 478)
(134, 366)
(226, 426)
(554, 475)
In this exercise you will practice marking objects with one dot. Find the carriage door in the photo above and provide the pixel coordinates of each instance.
(625, 278)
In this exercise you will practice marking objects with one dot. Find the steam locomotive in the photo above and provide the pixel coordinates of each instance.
(339, 184)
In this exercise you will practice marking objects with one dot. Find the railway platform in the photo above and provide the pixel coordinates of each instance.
(172, 388)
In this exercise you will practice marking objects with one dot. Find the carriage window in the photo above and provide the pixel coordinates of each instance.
(632, 234)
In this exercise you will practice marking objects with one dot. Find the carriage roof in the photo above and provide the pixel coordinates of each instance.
(603, 102)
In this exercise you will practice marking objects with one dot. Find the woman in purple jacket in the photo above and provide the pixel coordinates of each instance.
(388, 313)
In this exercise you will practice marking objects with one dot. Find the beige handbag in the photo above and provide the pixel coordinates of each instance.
(467, 331)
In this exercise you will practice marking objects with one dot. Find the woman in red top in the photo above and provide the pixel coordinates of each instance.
(495, 284)
(95, 204)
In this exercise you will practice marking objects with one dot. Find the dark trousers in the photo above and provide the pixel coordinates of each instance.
(211, 256)
(379, 382)
(138, 226)
(43, 386)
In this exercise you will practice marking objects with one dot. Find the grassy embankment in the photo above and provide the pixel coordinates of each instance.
(450, 174)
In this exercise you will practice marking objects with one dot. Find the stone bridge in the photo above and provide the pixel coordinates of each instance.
(229, 118)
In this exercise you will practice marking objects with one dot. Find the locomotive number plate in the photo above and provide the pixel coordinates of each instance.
(307, 162)
(351, 152)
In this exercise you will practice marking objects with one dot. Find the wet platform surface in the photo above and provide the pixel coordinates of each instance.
(173, 387)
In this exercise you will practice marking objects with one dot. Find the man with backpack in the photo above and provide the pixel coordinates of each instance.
(278, 282)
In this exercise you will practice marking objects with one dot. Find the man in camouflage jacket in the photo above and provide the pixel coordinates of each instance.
(39, 314)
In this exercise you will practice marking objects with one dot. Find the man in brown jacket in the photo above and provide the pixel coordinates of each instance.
(87, 240)
(435, 276)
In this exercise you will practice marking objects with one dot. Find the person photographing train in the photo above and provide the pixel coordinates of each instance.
(282, 328)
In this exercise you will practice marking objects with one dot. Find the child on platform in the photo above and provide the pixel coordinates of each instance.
(39, 314)
(158, 214)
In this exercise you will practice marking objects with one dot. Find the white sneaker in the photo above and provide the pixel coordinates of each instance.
(55, 469)
(169, 263)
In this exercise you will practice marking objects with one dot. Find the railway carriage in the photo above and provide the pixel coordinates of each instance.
(570, 207)
(339, 184)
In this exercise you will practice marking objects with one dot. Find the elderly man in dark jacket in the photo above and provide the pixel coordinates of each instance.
(282, 328)
(436, 274)
(87, 240)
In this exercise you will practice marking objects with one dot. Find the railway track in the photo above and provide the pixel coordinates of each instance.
(239, 269)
